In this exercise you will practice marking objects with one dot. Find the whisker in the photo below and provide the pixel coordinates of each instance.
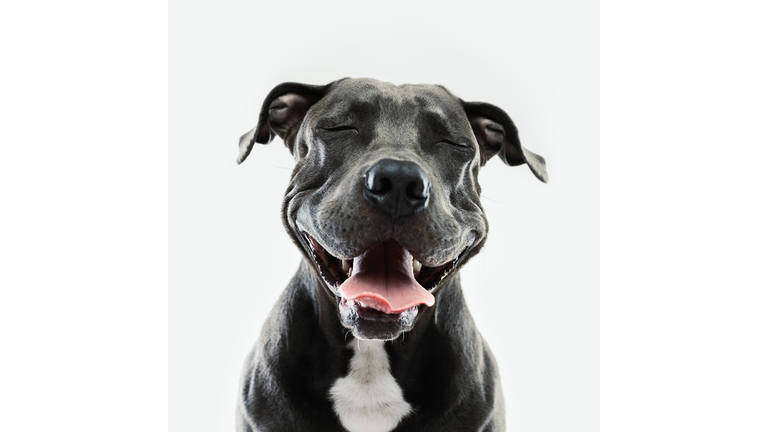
(496, 201)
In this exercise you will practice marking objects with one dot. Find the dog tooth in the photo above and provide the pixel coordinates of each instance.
(416, 268)
(346, 268)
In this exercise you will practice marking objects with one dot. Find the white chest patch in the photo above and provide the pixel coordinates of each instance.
(368, 399)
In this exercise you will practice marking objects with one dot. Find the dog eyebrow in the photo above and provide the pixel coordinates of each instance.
(440, 126)
(352, 111)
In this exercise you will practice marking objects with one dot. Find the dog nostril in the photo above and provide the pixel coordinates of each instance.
(397, 187)
(378, 184)
(416, 190)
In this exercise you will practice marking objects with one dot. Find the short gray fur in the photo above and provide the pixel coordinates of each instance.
(339, 134)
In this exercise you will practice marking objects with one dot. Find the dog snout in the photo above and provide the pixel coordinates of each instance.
(397, 187)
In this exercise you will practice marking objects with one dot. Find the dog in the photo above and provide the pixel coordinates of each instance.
(372, 333)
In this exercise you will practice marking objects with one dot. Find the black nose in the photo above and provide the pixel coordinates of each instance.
(397, 187)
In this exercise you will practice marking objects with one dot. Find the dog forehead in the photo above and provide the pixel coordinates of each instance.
(352, 94)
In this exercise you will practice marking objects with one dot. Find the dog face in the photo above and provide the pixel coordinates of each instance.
(384, 197)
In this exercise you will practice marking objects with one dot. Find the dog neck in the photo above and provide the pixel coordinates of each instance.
(368, 399)
(403, 374)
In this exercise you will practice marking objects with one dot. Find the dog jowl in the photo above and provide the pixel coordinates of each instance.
(372, 332)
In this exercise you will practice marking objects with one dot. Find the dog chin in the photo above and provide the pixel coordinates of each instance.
(370, 324)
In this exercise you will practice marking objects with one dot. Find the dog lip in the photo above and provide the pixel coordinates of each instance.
(430, 278)
(309, 238)
(365, 312)
(331, 268)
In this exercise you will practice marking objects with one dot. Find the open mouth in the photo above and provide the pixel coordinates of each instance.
(384, 283)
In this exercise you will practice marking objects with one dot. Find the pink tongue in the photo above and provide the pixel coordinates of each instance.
(383, 278)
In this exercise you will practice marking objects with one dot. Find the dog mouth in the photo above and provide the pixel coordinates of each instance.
(384, 283)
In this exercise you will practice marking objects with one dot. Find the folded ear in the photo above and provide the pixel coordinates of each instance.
(282, 112)
(496, 134)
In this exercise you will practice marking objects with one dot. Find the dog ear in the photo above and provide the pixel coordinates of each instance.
(282, 112)
(497, 134)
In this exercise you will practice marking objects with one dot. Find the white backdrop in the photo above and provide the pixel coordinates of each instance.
(533, 290)
(83, 226)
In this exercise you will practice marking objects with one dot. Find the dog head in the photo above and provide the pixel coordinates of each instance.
(384, 197)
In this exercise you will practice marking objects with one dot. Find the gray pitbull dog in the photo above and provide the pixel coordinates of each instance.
(384, 204)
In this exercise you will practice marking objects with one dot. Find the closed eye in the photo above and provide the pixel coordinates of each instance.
(339, 128)
(453, 143)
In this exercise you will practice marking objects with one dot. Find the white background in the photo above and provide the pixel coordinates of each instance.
(83, 177)
(534, 289)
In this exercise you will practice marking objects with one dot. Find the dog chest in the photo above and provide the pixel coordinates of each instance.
(368, 398)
